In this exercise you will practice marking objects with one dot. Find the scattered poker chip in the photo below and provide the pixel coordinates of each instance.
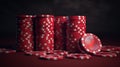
(90, 43)
(2, 50)
(106, 54)
(108, 48)
(36, 53)
(78, 56)
(10, 51)
(114, 49)
(60, 52)
(51, 57)
(7, 51)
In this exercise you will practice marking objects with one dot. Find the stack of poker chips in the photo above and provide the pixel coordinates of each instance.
(45, 33)
(60, 32)
(56, 37)
(25, 38)
(76, 28)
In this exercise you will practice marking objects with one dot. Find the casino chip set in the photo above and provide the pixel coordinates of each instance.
(58, 37)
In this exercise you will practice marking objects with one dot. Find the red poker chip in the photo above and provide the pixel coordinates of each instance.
(51, 57)
(114, 49)
(45, 15)
(31, 16)
(106, 54)
(60, 52)
(77, 17)
(7, 51)
(36, 53)
(2, 50)
(78, 56)
(91, 43)
(108, 48)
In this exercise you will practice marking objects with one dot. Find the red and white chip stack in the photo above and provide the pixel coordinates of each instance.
(60, 32)
(25, 38)
(45, 33)
(76, 27)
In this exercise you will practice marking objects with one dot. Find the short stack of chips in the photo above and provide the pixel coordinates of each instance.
(60, 32)
(25, 38)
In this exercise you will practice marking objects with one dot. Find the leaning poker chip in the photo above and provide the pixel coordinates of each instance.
(106, 54)
(51, 57)
(91, 43)
(78, 56)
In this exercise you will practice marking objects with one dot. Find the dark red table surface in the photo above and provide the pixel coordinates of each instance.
(21, 60)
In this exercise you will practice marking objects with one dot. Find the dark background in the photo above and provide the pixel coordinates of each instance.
(102, 15)
(102, 20)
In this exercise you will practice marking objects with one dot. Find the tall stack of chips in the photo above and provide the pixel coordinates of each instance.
(45, 33)
(25, 32)
(76, 27)
(60, 32)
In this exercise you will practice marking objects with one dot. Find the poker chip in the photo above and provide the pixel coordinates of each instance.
(78, 56)
(7, 51)
(52, 57)
(2, 50)
(90, 43)
(108, 48)
(114, 49)
(45, 15)
(36, 53)
(106, 54)
(24, 16)
(60, 52)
